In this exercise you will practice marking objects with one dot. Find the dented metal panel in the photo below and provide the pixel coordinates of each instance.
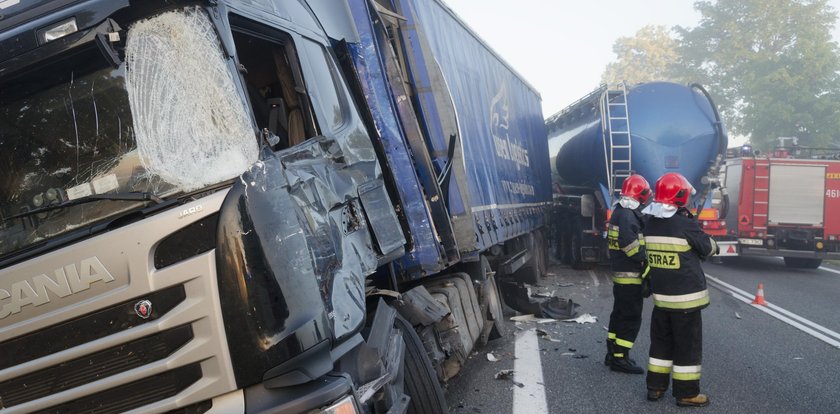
(424, 256)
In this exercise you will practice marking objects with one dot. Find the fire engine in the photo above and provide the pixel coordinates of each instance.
(780, 204)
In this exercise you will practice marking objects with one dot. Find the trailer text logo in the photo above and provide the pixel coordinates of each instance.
(506, 148)
(36, 290)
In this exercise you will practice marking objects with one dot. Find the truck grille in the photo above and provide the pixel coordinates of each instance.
(85, 329)
(93, 352)
(133, 395)
(90, 368)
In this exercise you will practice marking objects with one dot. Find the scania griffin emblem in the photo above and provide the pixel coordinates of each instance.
(143, 309)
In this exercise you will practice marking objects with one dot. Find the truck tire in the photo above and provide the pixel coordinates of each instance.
(802, 262)
(575, 244)
(421, 383)
(563, 248)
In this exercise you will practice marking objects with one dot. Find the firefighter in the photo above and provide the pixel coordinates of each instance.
(675, 246)
(627, 257)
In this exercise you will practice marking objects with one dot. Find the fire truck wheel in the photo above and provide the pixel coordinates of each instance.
(802, 262)
(421, 383)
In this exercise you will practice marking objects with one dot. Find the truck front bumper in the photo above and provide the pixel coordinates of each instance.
(315, 395)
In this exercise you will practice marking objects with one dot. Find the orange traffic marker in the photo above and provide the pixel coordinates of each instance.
(759, 296)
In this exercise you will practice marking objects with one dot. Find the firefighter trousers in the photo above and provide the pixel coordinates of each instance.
(626, 318)
(676, 351)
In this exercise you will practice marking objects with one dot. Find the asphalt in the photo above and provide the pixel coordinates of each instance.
(753, 362)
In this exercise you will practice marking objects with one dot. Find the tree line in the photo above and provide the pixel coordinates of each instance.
(771, 65)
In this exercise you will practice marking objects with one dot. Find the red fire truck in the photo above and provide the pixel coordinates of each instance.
(784, 204)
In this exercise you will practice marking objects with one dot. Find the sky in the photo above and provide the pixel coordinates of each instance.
(561, 47)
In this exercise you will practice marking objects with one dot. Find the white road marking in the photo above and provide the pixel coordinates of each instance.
(527, 370)
(829, 270)
(594, 278)
(817, 331)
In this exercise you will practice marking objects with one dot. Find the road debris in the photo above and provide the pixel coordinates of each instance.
(531, 318)
(585, 318)
(507, 374)
(737, 315)
(492, 358)
(545, 335)
(504, 374)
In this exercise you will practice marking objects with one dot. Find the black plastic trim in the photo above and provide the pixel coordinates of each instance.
(190, 241)
(298, 399)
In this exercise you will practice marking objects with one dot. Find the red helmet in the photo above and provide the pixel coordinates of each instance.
(672, 188)
(636, 187)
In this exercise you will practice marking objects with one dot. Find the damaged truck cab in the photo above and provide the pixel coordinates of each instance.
(251, 206)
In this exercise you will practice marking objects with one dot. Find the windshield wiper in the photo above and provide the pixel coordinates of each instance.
(133, 196)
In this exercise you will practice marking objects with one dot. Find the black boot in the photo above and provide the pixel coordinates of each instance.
(624, 364)
(609, 356)
(655, 395)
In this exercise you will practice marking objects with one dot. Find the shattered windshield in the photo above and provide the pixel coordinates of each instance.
(167, 122)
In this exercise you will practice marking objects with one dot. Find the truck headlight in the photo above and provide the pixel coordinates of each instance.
(345, 405)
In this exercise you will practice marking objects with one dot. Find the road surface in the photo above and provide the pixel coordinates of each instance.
(783, 358)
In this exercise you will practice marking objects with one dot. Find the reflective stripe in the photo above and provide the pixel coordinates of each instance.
(610, 335)
(691, 300)
(618, 355)
(663, 247)
(681, 298)
(647, 270)
(661, 362)
(659, 370)
(687, 369)
(627, 280)
(714, 248)
(621, 342)
(692, 376)
(666, 240)
(682, 305)
(631, 248)
(626, 274)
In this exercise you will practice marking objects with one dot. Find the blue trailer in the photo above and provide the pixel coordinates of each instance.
(598, 141)
(257, 205)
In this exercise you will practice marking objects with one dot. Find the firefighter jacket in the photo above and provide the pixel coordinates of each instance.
(675, 246)
(627, 247)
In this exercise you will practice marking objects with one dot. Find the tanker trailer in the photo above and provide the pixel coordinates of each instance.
(598, 141)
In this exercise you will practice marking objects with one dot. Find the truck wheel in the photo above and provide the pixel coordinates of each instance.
(563, 248)
(575, 244)
(802, 262)
(421, 383)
